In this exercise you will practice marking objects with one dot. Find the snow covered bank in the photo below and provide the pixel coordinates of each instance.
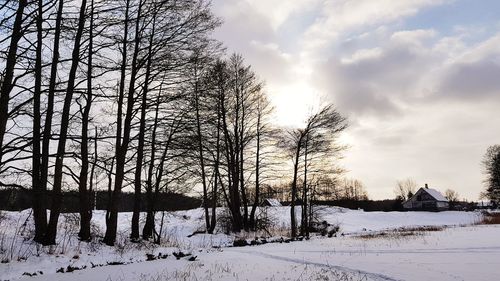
(463, 253)
(23, 256)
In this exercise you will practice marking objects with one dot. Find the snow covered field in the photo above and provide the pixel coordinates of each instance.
(370, 249)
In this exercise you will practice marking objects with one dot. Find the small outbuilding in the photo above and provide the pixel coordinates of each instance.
(427, 199)
(271, 202)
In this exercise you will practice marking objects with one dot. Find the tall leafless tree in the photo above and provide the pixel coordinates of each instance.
(85, 190)
(50, 235)
(405, 188)
(122, 147)
(326, 124)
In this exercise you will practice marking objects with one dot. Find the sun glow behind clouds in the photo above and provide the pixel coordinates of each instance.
(294, 103)
(396, 69)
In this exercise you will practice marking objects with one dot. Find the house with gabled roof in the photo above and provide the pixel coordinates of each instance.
(427, 199)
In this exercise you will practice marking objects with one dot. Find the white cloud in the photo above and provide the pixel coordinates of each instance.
(413, 37)
(278, 11)
(362, 55)
(343, 16)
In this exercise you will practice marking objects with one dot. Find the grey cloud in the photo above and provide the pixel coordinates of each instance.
(373, 86)
(241, 26)
(471, 81)
(270, 63)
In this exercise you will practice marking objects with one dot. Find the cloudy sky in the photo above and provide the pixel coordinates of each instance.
(418, 79)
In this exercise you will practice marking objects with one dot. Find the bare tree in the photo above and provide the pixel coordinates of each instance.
(84, 190)
(236, 91)
(265, 136)
(326, 123)
(197, 74)
(36, 154)
(218, 78)
(50, 235)
(353, 189)
(141, 136)
(40, 213)
(122, 147)
(451, 195)
(405, 188)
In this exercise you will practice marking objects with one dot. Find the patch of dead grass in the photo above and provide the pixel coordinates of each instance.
(490, 218)
(401, 233)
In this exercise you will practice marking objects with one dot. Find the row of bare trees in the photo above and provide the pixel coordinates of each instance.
(135, 94)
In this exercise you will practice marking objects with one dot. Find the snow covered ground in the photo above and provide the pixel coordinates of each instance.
(365, 252)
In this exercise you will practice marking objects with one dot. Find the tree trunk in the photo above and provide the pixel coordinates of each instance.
(8, 73)
(233, 183)
(257, 173)
(84, 195)
(157, 188)
(140, 147)
(121, 153)
(110, 187)
(41, 215)
(244, 198)
(216, 171)
(235, 167)
(293, 220)
(118, 142)
(93, 199)
(241, 150)
(303, 220)
(40, 221)
(50, 235)
(200, 149)
(148, 229)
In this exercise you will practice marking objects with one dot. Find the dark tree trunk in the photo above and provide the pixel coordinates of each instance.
(140, 147)
(159, 177)
(304, 226)
(199, 138)
(8, 74)
(213, 221)
(110, 187)
(40, 221)
(293, 220)
(148, 229)
(244, 198)
(92, 201)
(257, 174)
(121, 153)
(113, 199)
(312, 198)
(41, 215)
(84, 193)
(235, 168)
(50, 235)
(232, 168)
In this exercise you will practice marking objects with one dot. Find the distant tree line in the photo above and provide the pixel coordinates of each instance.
(136, 95)
(19, 199)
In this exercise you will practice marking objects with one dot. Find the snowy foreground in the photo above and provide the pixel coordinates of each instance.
(370, 246)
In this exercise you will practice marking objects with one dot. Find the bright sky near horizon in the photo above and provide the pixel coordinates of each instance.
(419, 80)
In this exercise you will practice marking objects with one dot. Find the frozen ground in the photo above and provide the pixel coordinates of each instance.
(455, 253)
